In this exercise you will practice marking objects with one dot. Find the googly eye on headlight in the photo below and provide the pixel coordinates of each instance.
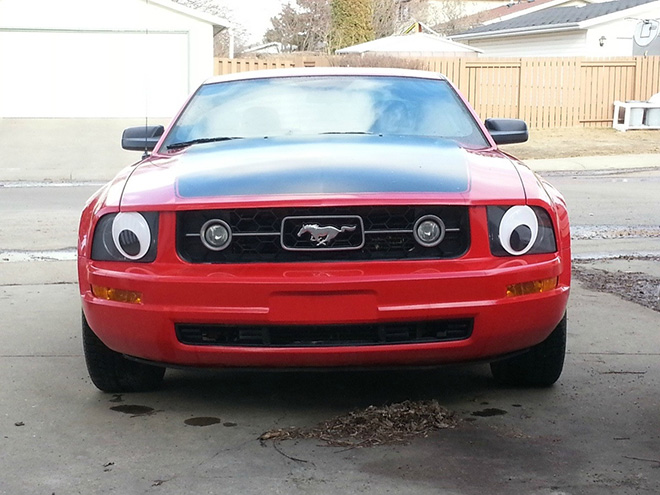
(518, 230)
(131, 235)
(126, 236)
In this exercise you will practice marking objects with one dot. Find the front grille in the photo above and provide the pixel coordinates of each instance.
(323, 336)
(268, 235)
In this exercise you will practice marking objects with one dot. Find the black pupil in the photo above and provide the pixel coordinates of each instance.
(129, 242)
(520, 237)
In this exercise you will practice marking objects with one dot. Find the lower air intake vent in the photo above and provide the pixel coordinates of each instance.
(320, 336)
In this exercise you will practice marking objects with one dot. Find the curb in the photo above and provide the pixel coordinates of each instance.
(595, 163)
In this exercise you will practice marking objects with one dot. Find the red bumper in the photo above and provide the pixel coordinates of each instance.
(337, 293)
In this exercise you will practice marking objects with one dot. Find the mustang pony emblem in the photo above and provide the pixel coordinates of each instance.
(322, 235)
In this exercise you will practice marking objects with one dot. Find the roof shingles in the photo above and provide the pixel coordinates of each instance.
(559, 16)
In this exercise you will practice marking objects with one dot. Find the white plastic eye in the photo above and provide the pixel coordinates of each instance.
(519, 228)
(131, 235)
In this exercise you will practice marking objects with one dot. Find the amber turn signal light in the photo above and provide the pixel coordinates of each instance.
(118, 295)
(535, 287)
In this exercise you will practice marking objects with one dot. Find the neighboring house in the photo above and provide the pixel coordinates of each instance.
(416, 27)
(101, 58)
(603, 29)
(524, 7)
(513, 8)
(413, 45)
(443, 11)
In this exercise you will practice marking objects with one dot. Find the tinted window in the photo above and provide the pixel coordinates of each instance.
(296, 106)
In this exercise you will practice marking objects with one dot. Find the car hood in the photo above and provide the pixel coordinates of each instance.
(326, 166)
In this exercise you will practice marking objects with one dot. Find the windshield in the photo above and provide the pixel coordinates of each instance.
(312, 105)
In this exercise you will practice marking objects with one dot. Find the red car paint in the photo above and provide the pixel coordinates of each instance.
(473, 285)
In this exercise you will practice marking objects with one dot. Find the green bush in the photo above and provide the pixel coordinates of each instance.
(352, 22)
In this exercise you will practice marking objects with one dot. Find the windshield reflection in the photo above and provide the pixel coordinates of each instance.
(313, 105)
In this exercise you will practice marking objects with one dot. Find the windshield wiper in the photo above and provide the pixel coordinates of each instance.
(185, 144)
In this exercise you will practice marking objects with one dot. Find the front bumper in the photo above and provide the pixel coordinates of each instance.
(325, 294)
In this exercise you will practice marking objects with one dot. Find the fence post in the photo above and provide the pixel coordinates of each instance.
(638, 79)
(463, 77)
(573, 100)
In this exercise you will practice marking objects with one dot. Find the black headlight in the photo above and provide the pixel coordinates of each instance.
(126, 237)
(518, 230)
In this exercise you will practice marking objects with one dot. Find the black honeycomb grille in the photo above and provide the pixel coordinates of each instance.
(258, 236)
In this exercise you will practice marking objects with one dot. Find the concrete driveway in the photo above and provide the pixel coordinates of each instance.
(596, 431)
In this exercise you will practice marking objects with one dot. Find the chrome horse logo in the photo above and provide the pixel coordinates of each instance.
(323, 235)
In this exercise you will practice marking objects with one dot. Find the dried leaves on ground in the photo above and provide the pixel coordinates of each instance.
(396, 423)
(636, 287)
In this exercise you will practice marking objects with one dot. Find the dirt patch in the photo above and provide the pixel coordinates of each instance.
(393, 424)
(636, 287)
(587, 232)
(585, 141)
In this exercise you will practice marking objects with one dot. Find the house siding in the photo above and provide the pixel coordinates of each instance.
(567, 44)
(555, 36)
(618, 39)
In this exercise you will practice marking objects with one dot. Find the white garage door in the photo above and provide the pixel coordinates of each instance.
(92, 74)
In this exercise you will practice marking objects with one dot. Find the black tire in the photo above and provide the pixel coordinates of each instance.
(540, 366)
(112, 372)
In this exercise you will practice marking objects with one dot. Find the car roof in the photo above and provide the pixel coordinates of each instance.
(326, 71)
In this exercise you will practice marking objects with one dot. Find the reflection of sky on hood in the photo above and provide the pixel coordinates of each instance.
(332, 165)
(149, 179)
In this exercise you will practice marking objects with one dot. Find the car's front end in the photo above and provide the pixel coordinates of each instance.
(324, 249)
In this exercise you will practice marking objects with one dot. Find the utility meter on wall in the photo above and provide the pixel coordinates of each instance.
(646, 41)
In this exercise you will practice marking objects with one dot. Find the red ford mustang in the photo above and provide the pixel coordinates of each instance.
(324, 218)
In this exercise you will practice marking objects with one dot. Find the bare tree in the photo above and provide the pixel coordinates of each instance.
(301, 26)
(452, 18)
(385, 17)
(323, 25)
(390, 16)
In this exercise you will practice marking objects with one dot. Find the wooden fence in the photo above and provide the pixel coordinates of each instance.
(545, 92)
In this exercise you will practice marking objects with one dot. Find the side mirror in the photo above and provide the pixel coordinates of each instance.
(143, 138)
(507, 131)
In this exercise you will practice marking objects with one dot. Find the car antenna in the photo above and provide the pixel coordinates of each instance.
(146, 79)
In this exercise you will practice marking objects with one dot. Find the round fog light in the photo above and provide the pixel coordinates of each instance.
(429, 231)
(216, 235)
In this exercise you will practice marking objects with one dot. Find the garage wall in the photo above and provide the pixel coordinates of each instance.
(99, 58)
(93, 74)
